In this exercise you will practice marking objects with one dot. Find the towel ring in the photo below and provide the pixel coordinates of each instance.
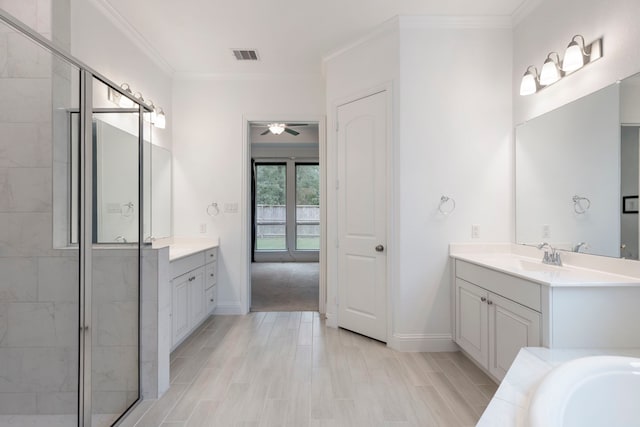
(579, 204)
(213, 209)
(128, 211)
(447, 205)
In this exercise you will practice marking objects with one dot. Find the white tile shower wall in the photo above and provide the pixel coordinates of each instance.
(39, 284)
(114, 353)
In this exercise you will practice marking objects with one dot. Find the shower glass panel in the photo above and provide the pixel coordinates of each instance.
(39, 266)
(115, 257)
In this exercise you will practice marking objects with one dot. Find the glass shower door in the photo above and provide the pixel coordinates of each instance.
(115, 296)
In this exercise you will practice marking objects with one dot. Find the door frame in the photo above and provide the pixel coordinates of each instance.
(391, 191)
(246, 246)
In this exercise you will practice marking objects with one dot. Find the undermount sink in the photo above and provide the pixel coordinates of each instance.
(589, 392)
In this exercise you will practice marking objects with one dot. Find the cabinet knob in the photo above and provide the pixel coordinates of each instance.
(483, 299)
(490, 302)
(211, 275)
(211, 300)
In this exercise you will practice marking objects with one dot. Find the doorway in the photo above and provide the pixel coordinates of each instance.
(285, 216)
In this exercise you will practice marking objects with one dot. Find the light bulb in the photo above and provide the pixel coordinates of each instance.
(276, 128)
(161, 120)
(550, 72)
(529, 84)
(573, 58)
(124, 101)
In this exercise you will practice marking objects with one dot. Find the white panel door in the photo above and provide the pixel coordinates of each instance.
(362, 220)
(471, 321)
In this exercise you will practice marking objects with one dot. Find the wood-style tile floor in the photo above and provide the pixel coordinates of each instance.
(288, 369)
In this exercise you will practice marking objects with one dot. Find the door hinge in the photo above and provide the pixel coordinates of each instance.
(337, 126)
(337, 184)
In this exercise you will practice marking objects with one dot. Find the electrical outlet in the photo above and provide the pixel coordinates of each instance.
(230, 207)
(203, 228)
(475, 231)
(546, 231)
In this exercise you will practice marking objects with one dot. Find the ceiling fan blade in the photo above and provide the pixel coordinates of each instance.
(296, 124)
(265, 132)
(291, 131)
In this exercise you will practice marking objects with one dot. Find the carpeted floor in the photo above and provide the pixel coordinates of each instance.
(284, 286)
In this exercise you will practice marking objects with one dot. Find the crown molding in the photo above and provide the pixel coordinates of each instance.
(525, 8)
(423, 21)
(133, 35)
(456, 22)
(385, 27)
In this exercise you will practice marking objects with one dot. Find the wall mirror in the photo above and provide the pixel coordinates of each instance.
(577, 174)
(116, 161)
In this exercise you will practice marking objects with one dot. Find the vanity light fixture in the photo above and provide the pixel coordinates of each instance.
(577, 54)
(156, 116)
(276, 128)
(550, 72)
(530, 81)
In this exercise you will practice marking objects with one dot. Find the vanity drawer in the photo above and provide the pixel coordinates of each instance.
(519, 290)
(210, 295)
(211, 274)
(211, 255)
(186, 264)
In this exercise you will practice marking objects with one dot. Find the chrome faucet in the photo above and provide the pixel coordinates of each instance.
(552, 258)
(579, 246)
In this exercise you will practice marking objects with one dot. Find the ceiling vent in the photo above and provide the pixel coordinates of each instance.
(245, 54)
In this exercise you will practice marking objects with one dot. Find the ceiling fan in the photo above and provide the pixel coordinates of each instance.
(278, 128)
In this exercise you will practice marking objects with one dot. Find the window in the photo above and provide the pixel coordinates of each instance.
(287, 207)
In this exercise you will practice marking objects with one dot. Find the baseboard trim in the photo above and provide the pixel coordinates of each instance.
(422, 342)
(229, 309)
(331, 320)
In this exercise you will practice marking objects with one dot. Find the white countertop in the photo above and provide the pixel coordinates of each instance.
(522, 263)
(183, 247)
(510, 405)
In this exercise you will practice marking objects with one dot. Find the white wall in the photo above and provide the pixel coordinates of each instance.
(208, 159)
(455, 140)
(103, 46)
(550, 28)
(453, 136)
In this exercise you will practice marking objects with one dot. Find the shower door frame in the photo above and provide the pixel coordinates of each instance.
(85, 207)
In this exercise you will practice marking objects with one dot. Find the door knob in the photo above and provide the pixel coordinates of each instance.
(379, 248)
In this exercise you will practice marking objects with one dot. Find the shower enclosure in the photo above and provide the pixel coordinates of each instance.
(69, 278)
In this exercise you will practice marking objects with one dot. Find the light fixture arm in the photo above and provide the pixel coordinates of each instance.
(586, 50)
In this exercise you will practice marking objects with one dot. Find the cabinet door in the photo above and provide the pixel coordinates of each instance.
(511, 327)
(196, 295)
(471, 320)
(180, 308)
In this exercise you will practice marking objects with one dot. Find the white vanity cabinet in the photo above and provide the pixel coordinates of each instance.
(193, 292)
(495, 316)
